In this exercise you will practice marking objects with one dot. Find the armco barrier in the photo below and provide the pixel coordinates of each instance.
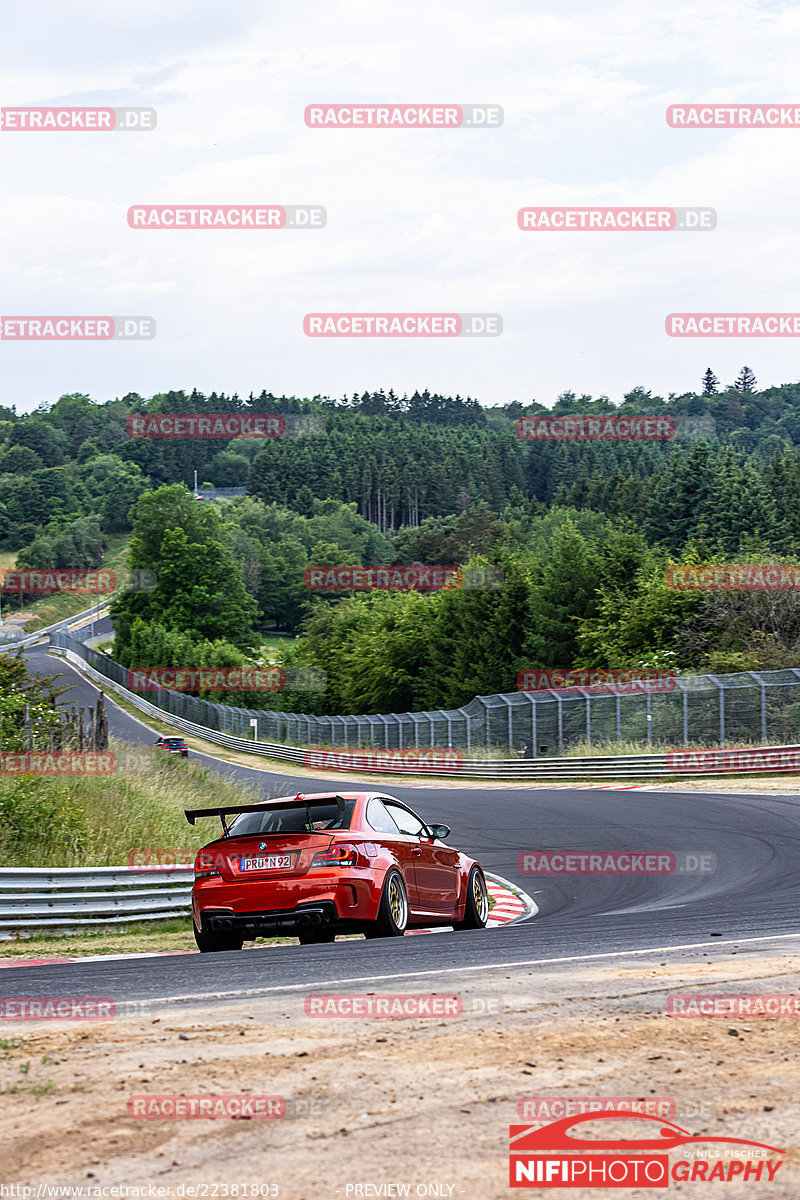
(597, 767)
(30, 639)
(74, 897)
(54, 899)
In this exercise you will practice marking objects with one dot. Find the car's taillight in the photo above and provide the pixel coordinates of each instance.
(205, 864)
(341, 855)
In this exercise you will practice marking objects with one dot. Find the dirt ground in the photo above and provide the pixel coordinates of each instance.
(422, 1103)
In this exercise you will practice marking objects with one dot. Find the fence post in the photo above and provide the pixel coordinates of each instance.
(714, 679)
(649, 719)
(763, 687)
(534, 736)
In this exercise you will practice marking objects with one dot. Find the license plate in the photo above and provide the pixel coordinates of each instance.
(272, 862)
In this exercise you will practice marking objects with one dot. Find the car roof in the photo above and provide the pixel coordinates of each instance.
(331, 793)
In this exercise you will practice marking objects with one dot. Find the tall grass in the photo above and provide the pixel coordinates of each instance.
(99, 820)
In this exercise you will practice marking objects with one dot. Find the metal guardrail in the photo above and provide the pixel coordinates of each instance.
(62, 626)
(75, 897)
(598, 767)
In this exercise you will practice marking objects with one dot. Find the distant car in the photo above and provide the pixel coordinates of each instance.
(314, 866)
(173, 745)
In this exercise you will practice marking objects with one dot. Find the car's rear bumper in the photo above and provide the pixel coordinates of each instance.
(284, 905)
(288, 921)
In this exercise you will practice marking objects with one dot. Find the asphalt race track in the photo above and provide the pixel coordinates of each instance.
(754, 893)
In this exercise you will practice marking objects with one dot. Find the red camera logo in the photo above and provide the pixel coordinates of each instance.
(557, 1155)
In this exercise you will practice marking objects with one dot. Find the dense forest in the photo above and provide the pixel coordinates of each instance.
(581, 532)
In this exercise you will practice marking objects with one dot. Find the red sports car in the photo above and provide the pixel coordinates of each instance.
(314, 866)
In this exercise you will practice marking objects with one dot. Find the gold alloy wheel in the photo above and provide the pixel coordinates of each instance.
(397, 902)
(480, 897)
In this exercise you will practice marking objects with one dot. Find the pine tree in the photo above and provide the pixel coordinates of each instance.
(745, 381)
(710, 383)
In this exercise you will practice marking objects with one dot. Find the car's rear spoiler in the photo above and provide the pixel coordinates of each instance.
(226, 810)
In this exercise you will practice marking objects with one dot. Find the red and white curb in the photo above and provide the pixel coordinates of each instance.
(511, 904)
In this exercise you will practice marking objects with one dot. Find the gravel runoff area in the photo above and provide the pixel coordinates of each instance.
(421, 1103)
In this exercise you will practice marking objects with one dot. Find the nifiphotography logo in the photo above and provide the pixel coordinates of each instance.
(559, 1156)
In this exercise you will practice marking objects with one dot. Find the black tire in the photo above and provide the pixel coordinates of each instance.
(315, 937)
(476, 911)
(393, 912)
(212, 943)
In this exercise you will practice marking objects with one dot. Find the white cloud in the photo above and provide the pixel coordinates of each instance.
(416, 220)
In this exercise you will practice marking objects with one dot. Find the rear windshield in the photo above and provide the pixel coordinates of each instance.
(293, 818)
(174, 741)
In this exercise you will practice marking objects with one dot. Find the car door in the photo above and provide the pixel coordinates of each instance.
(401, 845)
(435, 865)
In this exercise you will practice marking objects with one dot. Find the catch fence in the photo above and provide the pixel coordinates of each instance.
(748, 707)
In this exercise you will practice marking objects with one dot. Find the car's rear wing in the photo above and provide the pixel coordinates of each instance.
(226, 810)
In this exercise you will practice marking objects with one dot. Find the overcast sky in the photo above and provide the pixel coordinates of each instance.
(417, 220)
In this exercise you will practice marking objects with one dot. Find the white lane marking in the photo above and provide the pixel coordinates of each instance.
(529, 962)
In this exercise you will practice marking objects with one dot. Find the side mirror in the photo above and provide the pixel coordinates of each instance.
(439, 831)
